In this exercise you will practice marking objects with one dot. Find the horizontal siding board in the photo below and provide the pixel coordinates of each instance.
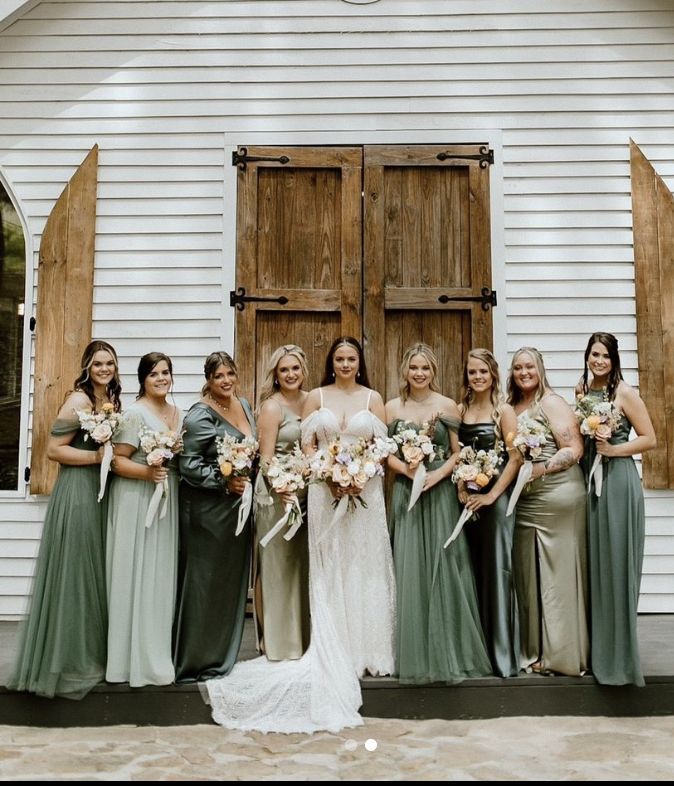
(156, 84)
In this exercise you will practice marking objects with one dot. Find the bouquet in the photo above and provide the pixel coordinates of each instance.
(416, 447)
(350, 466)
(236, 458)
(101, 426)
(529, 440)
(286, 473)
(597, 417)
(475, 468)
(159, 448)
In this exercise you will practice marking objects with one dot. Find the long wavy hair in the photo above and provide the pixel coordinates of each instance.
(514, 393)
(145, 366)
(496, 396)
(213, 363)
(429, 356)
(83, 381)
(610, 342)
(270, 383)
(329, 374)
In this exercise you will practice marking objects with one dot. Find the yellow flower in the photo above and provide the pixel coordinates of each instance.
(225, 468)
(481, 480)
(593, 422)
(108, 408)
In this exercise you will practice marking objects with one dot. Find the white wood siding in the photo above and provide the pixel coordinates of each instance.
(158, 85)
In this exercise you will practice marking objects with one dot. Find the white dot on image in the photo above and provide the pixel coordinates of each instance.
(370, 745)
(351, 745)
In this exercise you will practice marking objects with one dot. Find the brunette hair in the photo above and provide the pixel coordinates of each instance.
(349, 341)
(83, 381)
(426, 352)
(270, 383)
(514, 393)
(213, 363)
(610, 342)
(147, 363)
(496, 395)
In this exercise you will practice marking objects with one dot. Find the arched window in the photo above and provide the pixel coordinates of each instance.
(12, 289)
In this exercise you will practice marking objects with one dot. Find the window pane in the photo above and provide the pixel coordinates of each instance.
(12, 284)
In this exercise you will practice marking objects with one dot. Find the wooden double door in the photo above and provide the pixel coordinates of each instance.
(390, 244)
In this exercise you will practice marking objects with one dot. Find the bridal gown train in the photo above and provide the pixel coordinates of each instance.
(352, 600)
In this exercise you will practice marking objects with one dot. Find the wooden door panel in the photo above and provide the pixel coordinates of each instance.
(299, 225)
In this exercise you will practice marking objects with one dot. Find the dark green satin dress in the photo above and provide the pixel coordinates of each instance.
(490, 538)
(63, 642)
(439, 636)
(615, 536)
(550, 566)
(213, 563)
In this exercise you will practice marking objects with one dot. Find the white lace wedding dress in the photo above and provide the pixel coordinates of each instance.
(352, 597)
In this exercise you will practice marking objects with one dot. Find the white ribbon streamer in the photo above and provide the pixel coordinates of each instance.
(523, 477)
(159, 489)
(105, 468)
(244, 508)
(597, 472)
(289, 508)
(463, 518)
(340, 511)
(417, 486)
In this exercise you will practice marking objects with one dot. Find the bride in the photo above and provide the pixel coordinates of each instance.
(351, 582)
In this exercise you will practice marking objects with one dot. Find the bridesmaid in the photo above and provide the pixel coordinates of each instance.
(486, 418)
(549, 554)
(63, 642)
(440, 638)
(282, 584)
(214, 562)
(141, 561)
(615, 520)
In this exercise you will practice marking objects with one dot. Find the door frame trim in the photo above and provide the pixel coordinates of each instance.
(359, 137)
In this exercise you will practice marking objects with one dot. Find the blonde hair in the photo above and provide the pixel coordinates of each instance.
(426, 352)
(514, 393)
(270, 384)
(496, 395)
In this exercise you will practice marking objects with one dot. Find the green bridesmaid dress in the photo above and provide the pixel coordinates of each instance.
(615, 537)
(62, 647)
(440, 636)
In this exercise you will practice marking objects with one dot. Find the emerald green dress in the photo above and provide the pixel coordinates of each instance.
(550, 565)
(490, 538)
(214, 563)
(615, 537)
(282, 565)
(62, 647)
(440, 636)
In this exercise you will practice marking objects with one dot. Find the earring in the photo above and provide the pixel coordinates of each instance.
(358, 375)
(276, 382)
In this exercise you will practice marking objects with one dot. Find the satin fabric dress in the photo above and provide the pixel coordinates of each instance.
(490, 539)
(214, 563)
(440, 636)
(550, 566)
(282, 566)
(62, 649)
(141, 567)
(615, 533)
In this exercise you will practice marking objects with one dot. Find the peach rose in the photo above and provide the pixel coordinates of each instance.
(481, 480)
(413, 455)
(226, 468)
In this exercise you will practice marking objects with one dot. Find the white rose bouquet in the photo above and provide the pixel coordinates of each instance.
(287, 473)
(597, 417)
(159, 448)
(529, 440)
(101, 426)
(236, 458)
(416, 448)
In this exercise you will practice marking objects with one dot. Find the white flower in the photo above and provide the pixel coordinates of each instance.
(102, 432)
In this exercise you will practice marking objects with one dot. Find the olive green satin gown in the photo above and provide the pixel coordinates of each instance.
(550, 566)
(282, 566)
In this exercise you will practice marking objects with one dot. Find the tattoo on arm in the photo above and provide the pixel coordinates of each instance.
(563, 459)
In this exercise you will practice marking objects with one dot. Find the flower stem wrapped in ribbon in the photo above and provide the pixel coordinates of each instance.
(287, 473)
(416, 447)
(236, 458)
(159, 448)
(529, 440)
(597, 417)
(101, 426)
(475, 468)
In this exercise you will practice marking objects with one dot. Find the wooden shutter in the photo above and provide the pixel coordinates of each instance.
(653, 227)
(427, 238)
(64, 308)
(299, 238)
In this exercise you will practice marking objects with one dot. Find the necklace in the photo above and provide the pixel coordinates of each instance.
(218, 404)
(420, 400)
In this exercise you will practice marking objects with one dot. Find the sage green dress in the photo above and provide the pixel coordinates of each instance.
(141, 567)
(490, 538)
(440, 636)
(550, 566)
(63, 641)
(615, 536)
(282, 566)
(214, 565)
